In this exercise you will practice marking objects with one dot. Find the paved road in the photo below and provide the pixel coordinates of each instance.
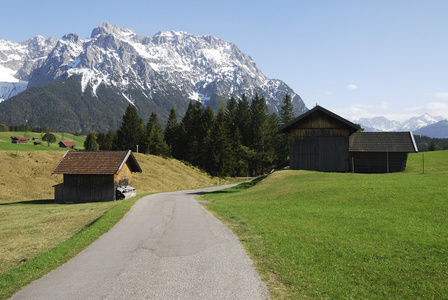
(167, 247)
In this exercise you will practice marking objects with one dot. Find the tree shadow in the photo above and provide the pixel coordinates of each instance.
(33, 202)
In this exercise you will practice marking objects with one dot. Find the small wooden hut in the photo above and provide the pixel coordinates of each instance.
(323, 141)
(94, 176)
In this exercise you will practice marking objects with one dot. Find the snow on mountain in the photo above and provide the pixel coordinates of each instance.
(378, 124)
(202, 68)
(418, 122)
(436, 130)
(17, 60)
(384, 124)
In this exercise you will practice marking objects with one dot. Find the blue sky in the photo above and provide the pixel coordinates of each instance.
(358, 58)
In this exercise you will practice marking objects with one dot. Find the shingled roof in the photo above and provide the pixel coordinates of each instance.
(382, 142)
(101, 162)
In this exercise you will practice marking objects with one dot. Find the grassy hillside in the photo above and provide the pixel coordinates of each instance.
(5, 141)
(343, 236)
(31, 225)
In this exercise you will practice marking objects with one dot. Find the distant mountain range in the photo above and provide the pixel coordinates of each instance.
(435, 127)
(83, 85)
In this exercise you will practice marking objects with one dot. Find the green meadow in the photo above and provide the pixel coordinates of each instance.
(316, 235)
(5, 141)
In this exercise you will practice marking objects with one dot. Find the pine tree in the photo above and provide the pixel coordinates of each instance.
(286, 115)
(131, 132)
(171, 134)
(90, 144)
(105, 140)
(242, 120)
(220, 155)
(286, 110)
(259, 132)
(155, 143)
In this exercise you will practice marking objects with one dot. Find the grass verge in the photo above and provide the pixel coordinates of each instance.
(13, 280)
(316, 235)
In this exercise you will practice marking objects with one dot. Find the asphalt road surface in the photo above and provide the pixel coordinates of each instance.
(167, 247)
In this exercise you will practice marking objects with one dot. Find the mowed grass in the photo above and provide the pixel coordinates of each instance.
(318, 235)
(32, 226)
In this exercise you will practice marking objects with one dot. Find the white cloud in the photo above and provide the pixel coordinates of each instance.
(442, 95)
(352, 87)
(433, 108)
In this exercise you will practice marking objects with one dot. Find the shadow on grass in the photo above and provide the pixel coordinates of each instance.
(35, 202)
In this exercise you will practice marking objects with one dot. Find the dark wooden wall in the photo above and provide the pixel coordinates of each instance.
(319, 143)
(378, 162)
(85, 188)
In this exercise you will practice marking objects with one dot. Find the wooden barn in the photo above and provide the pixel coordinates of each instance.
(319, 141)
(323, 141)
(95, 176)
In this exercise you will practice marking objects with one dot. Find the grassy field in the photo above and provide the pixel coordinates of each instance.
(31, 225)
(319, 235)
(5, 141)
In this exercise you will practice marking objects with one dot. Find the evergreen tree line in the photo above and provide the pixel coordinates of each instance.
(242, 139)
(24, 128)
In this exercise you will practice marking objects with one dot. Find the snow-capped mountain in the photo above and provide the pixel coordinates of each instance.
(436, 130)
(378, 124)
(140, 69)
(384, 124)
(416, 123)
(18, 60)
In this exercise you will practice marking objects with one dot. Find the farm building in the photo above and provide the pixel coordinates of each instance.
(323, 141)
(67, 144)
(95, 176)
(19, 140)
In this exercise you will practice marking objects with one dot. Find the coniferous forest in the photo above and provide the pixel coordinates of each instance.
(240, 139)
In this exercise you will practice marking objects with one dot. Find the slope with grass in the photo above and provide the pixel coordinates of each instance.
(333, 235)
(37, 235)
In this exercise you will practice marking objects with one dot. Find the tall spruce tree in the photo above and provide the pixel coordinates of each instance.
(286, 115)
(131, 132)
(171, 134)
(221, 159)
(259, 132)
(155, 143)
(242, 120)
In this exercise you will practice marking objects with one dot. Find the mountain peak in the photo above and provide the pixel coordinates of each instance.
(107, 29)
(169, 69)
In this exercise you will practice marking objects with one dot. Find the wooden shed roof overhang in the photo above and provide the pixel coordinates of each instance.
(382, 142)
(96, 163)
(315, 112)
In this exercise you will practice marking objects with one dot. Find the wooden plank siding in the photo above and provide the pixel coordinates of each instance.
(319, 142)
(323, 141)
(378, 162)
(85, 188)
(124, 178)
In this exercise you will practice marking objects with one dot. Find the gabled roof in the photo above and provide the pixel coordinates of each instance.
(101, 162)
(68, 144)
(353, 127)
(382, 142)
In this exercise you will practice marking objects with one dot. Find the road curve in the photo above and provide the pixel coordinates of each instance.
(166, 247)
